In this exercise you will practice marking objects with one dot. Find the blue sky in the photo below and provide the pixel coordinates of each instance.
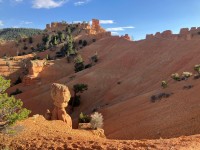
(135, 17)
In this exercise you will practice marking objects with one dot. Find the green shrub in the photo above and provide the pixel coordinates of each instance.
(94, 59)
(11, 109)
(84, 43)
(79, 65)
(84, 118)
(197, 68)
(78, 88)
(88, 66)
(176, 77)
(78, 59)
(164, 84)
(30, 40)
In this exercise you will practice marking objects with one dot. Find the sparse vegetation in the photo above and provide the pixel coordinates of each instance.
(88, 66)
(78, 88)
(187, 87)
(176, 77)
(96, 120)
(160, 96)
(186, 75)
(84, 118)
(196, 76)
(30, 40)
(164, 84)
(84, 43)
(94, 59)
(78, 64)
(197, 68)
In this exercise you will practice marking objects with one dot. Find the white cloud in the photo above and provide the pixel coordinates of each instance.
(82, 2)
(107, 21)
(119, 28)
(25, 22)
(114, 33)
(1, 23)
(38, 4)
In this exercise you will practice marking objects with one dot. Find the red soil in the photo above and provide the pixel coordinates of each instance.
(37, 133)
(121, 84)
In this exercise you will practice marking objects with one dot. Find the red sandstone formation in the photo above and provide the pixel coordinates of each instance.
(184, 34)
(34, 68)
(126, 36)
(95, 28)
(61, 96)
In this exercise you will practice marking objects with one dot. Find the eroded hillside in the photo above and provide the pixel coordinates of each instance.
(122, 83)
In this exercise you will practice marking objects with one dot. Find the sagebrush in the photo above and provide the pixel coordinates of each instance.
(96, 120)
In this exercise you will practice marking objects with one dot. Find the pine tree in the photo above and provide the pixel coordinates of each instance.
(78, 59)
(78, 88)
(11, 109)
(70, 50)
(79, 65)
(55, 42)
(61, 36)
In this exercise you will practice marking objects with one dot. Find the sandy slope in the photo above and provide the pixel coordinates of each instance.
(121, 84)
(37, 133)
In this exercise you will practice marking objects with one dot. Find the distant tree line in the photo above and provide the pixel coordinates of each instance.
(17, 33)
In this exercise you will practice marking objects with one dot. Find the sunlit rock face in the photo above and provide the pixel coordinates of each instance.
(34, 68)
(61, 96)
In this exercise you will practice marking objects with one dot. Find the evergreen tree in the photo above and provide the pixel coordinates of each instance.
(30, 40)
(70, 49)
(55, 42)
(79, 65)
(78, 88)
(10, 108)
(78, 59)
(61, 36)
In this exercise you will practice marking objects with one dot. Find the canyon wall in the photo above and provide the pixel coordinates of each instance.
(184, 34)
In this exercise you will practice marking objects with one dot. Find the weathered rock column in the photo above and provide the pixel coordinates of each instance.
(61, 96)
